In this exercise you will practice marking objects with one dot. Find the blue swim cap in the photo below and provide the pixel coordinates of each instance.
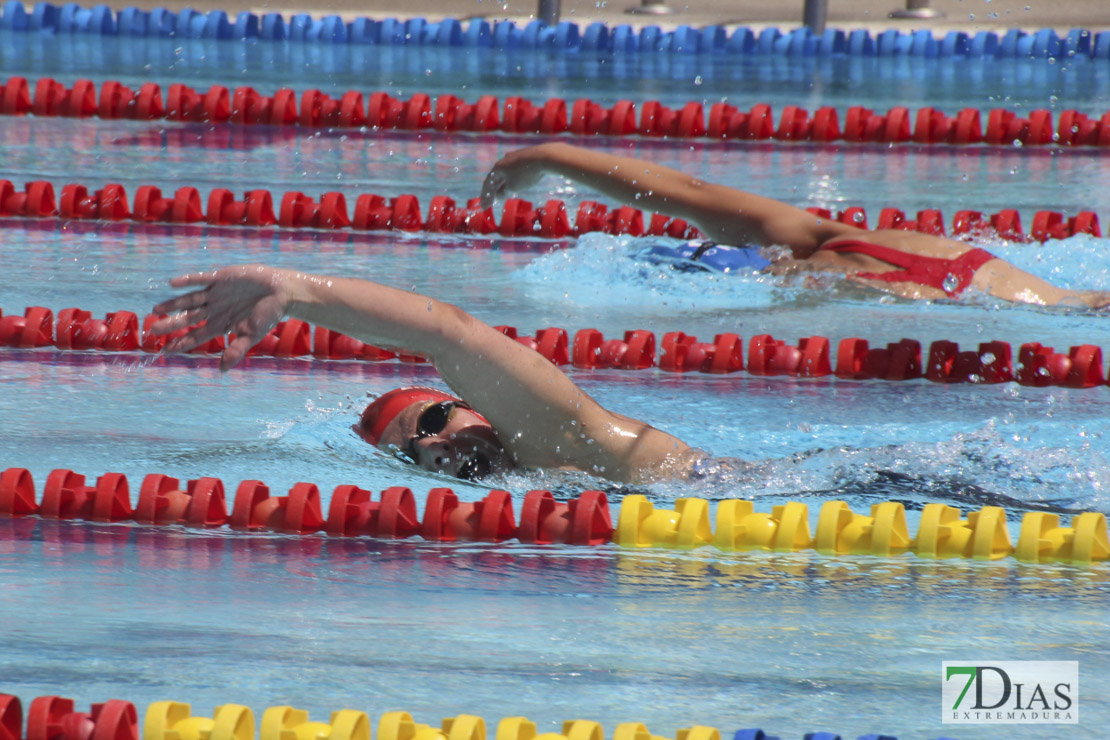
(705, 257)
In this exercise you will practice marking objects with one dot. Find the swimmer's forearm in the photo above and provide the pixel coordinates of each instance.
(371, 312)
(626, 179)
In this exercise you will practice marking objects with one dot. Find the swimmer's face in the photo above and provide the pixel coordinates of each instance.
(445, 437)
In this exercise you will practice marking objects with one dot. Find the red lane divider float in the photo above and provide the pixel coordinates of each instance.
(352, 512)
(295, 210)
(56, 718)
(1005, 224)
(812, 357)
(519, 218)
(448, 113)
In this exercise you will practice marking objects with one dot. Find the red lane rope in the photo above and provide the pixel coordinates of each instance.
(812, 357)
(352, 512)
(448, 113)
(299, 211)
(519, 218)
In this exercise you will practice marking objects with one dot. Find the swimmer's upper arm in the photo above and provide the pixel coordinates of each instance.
(501, 378)
(540, 411)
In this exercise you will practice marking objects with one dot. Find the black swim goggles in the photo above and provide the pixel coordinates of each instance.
(431, 422)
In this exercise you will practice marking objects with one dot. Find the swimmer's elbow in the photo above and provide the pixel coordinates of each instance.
(455, 324)
(688, 192)
(702, 202)
(460, 335)
(450, 319)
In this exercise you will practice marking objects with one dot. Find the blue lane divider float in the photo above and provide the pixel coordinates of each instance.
(562, 37)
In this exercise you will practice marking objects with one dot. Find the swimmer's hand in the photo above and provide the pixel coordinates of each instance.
(248, 301)
(514, 172)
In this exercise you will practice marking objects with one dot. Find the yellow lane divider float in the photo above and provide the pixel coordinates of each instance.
(840, 531)
(169, 720)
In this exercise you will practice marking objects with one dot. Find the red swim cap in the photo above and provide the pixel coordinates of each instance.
(382, 410)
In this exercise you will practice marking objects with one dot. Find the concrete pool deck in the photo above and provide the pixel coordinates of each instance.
(964, 15)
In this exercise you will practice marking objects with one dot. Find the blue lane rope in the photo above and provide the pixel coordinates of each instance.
(564, 37)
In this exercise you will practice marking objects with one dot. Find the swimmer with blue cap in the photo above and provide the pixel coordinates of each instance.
(513, 408)
(905, 263)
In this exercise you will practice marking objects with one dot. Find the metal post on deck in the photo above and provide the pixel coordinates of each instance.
(917, 9)
(652, 7)
(549, 12)
(814, 15)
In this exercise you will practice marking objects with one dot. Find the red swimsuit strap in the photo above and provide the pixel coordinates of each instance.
(950, 275)
(889, 255)
(973, 259)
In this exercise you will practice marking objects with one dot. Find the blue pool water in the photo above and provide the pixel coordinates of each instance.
(792, 643)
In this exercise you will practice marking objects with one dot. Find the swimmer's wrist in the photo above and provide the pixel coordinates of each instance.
(298, 290)
(556, 157)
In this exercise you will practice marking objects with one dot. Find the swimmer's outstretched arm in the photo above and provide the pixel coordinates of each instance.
(724, 214)
(541, 416)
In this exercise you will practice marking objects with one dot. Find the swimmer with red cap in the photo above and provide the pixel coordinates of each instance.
(514, 408)
(450, 437)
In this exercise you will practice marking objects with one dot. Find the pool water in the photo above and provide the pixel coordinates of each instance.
(777, 79)
(791, 643)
